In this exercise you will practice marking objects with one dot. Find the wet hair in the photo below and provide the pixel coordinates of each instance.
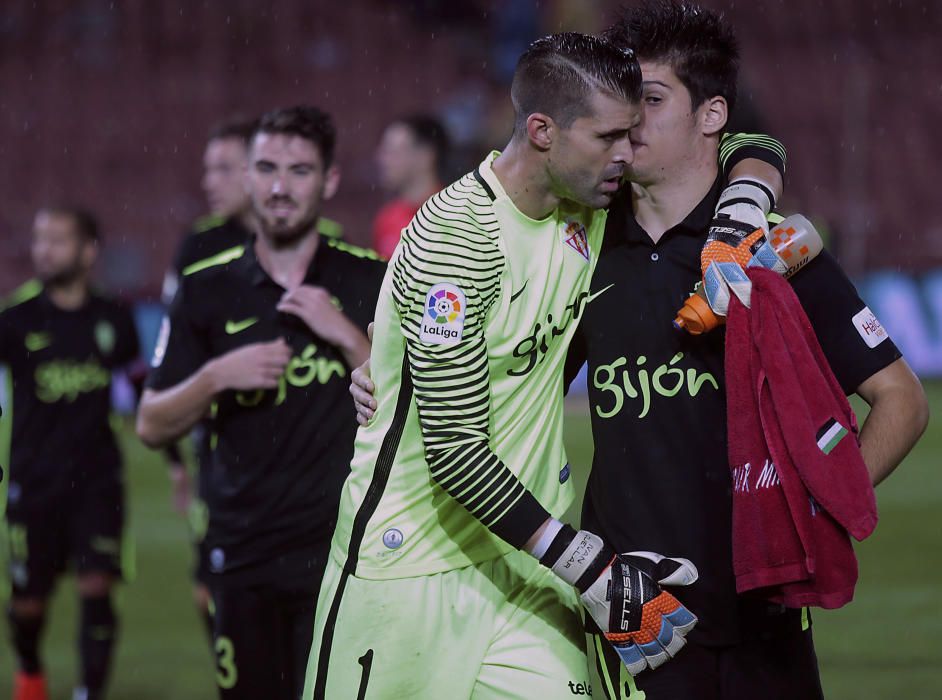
(698, 44)
(309, 123)
(427, 131)
(557, 75)
(86, 223)
(235, 127)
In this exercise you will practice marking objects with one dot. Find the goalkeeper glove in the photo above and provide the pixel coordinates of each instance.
(621, 592)
(738, 238)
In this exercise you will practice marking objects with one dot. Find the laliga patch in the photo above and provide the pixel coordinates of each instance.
(575, 237)
(443, 320)
(869, 327)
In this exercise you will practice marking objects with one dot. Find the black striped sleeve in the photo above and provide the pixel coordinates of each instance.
(453, 241)
(735, 148)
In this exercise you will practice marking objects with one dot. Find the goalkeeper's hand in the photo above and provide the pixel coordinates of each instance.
(622, 593)
(738, 238)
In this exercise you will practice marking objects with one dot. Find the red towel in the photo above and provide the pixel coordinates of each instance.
(799, 482)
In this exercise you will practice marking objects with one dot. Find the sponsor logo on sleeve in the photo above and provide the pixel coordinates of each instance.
(869, 327)
(443, 320)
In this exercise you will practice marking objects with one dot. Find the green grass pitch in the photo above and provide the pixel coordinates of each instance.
(886, 644)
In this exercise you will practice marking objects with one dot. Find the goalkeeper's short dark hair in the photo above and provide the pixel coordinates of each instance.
(696, 42)
(557, 75)
(308, 122)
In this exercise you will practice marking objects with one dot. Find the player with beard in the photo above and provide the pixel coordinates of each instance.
(65, 503)
(262, 337)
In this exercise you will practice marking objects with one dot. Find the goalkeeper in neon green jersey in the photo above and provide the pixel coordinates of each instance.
(428, 594)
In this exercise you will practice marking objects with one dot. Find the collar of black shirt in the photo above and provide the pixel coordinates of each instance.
(249, 265)
(695, 224)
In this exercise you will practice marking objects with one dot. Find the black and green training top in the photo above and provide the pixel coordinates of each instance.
(278, 457)
(60, 364)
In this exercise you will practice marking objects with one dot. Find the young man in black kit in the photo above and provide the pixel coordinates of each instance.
(262, 337)
(65, 503)
(657, 394)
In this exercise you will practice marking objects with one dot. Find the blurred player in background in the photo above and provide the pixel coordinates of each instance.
(65, 504)
(263, 336)
(411, 157)
(230, 210)
(660, 442)
(228, 224)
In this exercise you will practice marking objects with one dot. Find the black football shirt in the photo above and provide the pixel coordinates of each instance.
(279, 457)
(61, 362)
(660, 477)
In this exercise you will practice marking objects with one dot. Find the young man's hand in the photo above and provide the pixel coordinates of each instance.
(361, 388)
(323, 315)
(254, 366)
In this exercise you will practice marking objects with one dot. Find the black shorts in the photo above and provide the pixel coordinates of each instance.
(262, 637)
(778, 662)
(81, 526)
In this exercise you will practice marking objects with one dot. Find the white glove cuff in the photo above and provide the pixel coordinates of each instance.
(750, 191)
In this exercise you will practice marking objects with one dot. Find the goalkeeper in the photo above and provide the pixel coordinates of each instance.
(477, 309)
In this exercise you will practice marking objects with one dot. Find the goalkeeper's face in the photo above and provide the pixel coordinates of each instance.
(288, 181)
(587, 159)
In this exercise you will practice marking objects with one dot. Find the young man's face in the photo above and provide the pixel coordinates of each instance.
(665, 139)
(287, 182)
(60, 253)
(588, 159)
(223, 183)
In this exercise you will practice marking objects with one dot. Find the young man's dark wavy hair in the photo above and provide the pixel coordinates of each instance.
(697, 43)
(557, 75)
(309, 123)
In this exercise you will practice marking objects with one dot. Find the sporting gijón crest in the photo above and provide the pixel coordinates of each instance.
(575, 237)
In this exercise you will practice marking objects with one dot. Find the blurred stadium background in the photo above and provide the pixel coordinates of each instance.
(108, 104)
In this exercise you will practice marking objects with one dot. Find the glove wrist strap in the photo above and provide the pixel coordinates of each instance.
(749, 191)
(578, 558)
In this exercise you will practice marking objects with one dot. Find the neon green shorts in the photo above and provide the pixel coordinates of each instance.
(505, 628)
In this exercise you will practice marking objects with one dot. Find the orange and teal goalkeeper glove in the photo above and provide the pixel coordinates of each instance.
(622, 592)
(738, 238)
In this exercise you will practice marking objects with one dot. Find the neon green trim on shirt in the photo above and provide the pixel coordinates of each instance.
(222, 258)
(353, 249)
